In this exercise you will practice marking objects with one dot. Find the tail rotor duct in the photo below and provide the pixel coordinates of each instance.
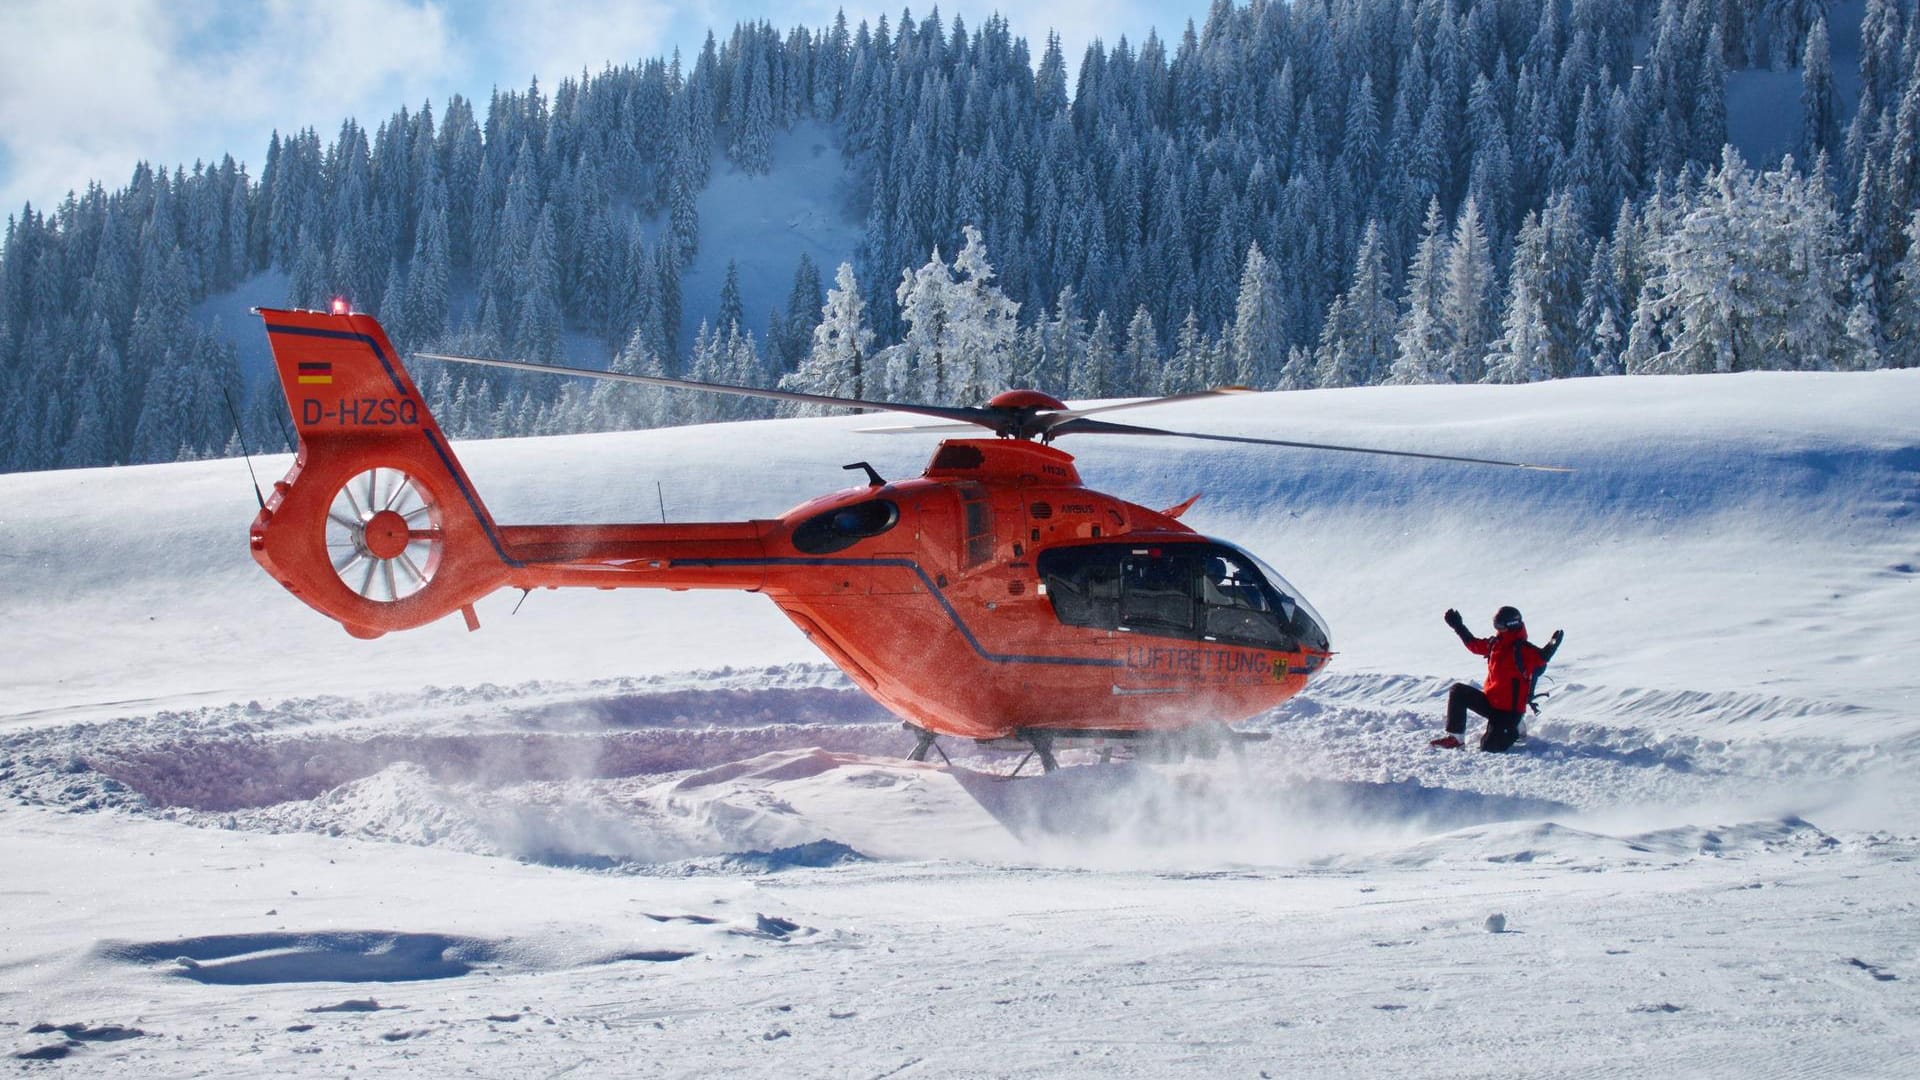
(384, 535)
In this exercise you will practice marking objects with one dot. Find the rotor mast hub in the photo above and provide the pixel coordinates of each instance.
(385, 535)
(1018, 409)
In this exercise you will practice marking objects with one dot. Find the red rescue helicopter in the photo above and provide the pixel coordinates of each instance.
(993, 598)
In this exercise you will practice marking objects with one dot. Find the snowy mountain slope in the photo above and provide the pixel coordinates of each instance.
(621, 828)
(1763, 104)
(764, 223)
(234, 312)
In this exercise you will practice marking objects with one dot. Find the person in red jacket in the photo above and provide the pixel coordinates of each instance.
(1513, 663)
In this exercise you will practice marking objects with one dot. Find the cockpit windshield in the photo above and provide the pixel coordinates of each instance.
(1201, 590)
(1307, 622)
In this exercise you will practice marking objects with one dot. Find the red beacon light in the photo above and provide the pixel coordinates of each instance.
(340, 306)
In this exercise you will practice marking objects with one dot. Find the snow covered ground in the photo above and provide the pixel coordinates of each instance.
(654, 834)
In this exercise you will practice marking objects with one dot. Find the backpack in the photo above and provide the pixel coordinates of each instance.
(1534, 694)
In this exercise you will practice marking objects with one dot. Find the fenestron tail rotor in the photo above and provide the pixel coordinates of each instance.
(383, 535)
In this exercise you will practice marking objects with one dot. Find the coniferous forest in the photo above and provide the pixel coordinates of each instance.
(1305, 194)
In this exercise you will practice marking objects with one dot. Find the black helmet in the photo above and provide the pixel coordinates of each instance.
(1507, 618)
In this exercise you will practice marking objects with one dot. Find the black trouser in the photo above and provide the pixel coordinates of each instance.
(1502, 727)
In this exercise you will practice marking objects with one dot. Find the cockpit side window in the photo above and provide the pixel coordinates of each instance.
(1157, 591)
(1084, 585)
(1236, 606)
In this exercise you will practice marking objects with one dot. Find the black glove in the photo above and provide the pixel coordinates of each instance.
(1555, 639)
(1453, 619)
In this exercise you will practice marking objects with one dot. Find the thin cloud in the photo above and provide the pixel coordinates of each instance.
(588, 38)
(88, 89)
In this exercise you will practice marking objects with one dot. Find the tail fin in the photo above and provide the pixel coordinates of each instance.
(377, 525)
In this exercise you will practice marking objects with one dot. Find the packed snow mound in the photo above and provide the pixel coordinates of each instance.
(555, 823)
(789, 765)
(1790, 834)
(402, 802)
(786, 801)
(870, 804)
(1549, 843)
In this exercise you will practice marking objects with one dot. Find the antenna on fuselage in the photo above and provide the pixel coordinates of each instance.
(242, 436)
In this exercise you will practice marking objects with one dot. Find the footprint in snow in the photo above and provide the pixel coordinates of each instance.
(352, 1005)
(770, 926)
(1879, 973)
(83, 1033)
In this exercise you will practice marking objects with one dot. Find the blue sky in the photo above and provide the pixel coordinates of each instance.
(89, 87)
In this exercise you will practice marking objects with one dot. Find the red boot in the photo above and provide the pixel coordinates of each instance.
(1447, 742)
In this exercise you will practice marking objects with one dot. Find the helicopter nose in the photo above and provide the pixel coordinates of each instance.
(1309, 626)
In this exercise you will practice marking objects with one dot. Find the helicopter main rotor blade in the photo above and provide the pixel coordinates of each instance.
(1050, 421)
(916, 429)
(964, 414)
(1169, 399)
(1104, 427)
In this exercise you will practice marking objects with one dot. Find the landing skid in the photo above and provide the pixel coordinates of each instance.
(926, 741)
(1201, 741)
(1042, 742)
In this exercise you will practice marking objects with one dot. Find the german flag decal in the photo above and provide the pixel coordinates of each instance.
(316, 373)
